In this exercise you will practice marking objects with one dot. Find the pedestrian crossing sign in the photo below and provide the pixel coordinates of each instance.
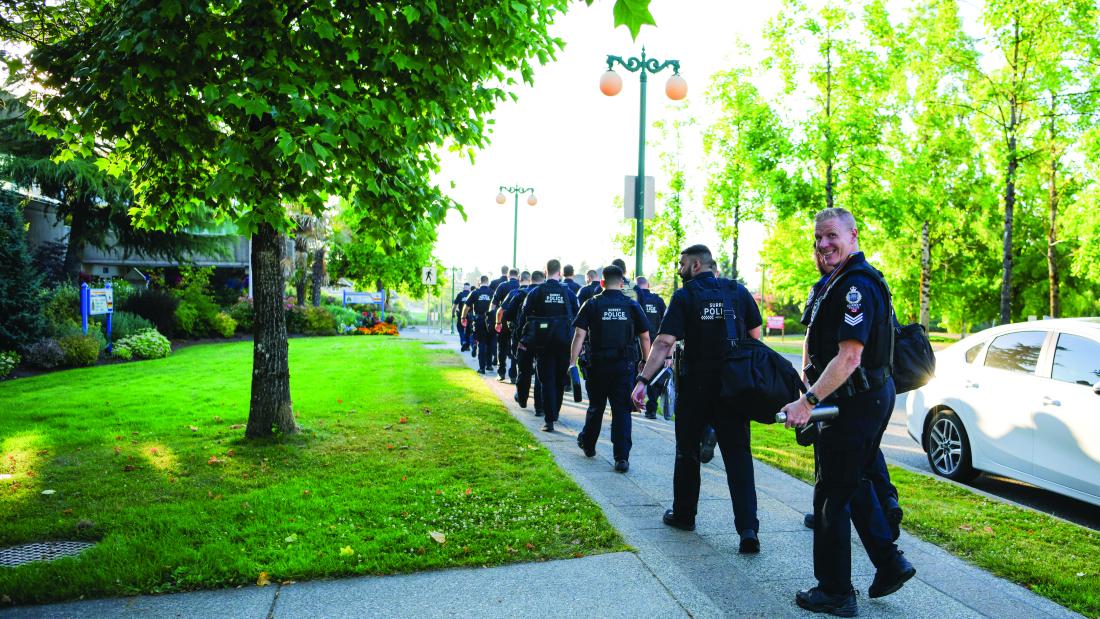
(427, 275)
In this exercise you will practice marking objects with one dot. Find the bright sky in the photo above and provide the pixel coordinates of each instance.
(574, 145)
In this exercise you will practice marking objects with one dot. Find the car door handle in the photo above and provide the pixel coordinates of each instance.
(1049, 401)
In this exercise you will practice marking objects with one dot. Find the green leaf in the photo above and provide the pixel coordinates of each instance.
(633, 14)
(411, 14)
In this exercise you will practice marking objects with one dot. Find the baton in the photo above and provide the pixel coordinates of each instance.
(821, 413)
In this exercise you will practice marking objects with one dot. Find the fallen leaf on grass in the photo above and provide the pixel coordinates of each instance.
(68, 510)
(339, 401)
(214, 460)
(290, 539)
(403, 420)
(346, 551)
(230, 453)
(988, 530)
(236, 426)
(154, 451)
(118, 450)
(128, 468)
(263, 580)
(389, 446)
(468, 491)
(49, 492)
(193, 428)
(1080, 574)
(966, 527)
(305, 493)
(529, 546)
(438, 537)
(43, 452)
(217, 419)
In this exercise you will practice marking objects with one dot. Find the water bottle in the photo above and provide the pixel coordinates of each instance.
(821, 413)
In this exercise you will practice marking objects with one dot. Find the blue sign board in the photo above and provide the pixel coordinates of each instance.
(367, 298)
(97, 302)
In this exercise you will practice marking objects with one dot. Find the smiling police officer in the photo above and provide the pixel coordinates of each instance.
(706, 314)
(545, 321)
(849, 344)
(616, 326)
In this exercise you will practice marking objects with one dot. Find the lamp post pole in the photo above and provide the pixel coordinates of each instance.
(676, 89)
(516, 190)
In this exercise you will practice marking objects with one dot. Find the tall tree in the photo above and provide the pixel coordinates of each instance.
(226, 110)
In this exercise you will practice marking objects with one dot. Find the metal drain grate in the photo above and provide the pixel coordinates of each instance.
(40, 551)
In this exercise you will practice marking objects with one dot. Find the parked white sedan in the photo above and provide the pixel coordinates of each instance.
(1019, 400)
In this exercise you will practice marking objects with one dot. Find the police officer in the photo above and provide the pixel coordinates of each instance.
(493, 285)
(567, 279)
(628, 287)
(456, 315)
(848, 343)
(544, 310)
(879, 475)
(616, 326)
(503, 333)
(697, 314)
(525, 359)
(477, 310)
(591, 287)
(654, 308)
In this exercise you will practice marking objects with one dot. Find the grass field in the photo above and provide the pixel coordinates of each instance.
(1053, 558)
(406, 462)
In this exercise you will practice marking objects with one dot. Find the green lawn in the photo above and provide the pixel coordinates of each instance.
(149, 459)
(1053, 558)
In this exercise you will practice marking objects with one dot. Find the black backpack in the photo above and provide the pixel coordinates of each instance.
(545, 333)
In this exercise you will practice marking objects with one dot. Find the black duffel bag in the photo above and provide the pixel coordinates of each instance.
(914, 362)
(757, 381)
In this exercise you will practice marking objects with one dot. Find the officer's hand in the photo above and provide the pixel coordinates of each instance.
(668, 362)
(798, 412)
(638, 396)
(498, 328)
(521, 346)
(463, 322)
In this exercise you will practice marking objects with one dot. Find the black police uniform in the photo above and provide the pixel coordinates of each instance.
(456, 311)
(573, 286)
(588, 291)
(504, 346)
(696, 315)
(654, 308)
(846, 449)
(479, 303)
(524, 359)
(613, 323)
(549, 299)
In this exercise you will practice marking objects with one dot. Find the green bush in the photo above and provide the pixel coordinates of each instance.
(196, 294)
(147, 344)
(187, 320)
(318, 321)
(224, 325)
(21, 322)
(346, 319)
(295, 319)
(80, 350)
(156, 306)
(61, 306)
(45, 354)
(125, 324)
(243, 313)
(122, 352)
(9, 360)
(71, 328)
(122, 290)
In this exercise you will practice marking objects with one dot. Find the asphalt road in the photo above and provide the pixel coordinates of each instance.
(900, 448)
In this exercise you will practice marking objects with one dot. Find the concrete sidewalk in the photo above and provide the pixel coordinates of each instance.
(671, 574)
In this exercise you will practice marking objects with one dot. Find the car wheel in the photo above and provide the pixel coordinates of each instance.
(948, 447)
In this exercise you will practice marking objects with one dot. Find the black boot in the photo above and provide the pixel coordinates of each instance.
(892, 576)
(818, 601)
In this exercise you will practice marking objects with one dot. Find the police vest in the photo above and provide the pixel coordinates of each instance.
(482, 300)
(612, 330)
(707, 332)
(652, 311)
(828, 309)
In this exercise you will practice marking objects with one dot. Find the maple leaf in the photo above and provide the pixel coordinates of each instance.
(438, 537)
(263, 580)
(403, 420)
(469, 491)
(214, 460)
(346, 551)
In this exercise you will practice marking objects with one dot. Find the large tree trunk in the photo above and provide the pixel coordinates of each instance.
(300, 286)
(925, 276)
(318, 275)
(74, 249)
(1010, 203)
(270, 406)
(1052, 232)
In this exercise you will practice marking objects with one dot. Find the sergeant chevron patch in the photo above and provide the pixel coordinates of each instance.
(853, 320)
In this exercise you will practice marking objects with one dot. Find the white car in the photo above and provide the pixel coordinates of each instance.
(1019, 400)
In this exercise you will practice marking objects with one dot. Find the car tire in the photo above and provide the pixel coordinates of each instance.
(948, 447)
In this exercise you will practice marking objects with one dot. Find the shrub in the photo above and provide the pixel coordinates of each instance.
(122, 290)
(342, 314)
(9, 360)
(61, 306)
(318, 321)
(147, 344)
(80, 350)
(195, 293)
(156, 306)
(122, 352)
(295, 318)
(224, 325)
(187, 320)
(45, 354)
(243, 313)
(21, 321)
(71, 328)
(125, 324)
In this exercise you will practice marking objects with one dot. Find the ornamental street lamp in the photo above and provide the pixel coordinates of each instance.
(531, 200)
(676, 89)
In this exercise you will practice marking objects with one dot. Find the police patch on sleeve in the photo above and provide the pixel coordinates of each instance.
(853, 299)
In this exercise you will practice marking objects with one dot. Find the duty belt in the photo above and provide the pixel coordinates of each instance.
(863, 380)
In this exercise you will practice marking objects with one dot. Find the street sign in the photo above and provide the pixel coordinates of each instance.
(427, 275)
(364, 298)
(97, 302)
(629, 194)
(775, 322)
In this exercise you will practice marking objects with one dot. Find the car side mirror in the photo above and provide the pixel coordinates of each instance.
(1096, 388)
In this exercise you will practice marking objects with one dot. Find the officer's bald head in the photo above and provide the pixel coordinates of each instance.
(591, 275)
(537, 277)
(525, 277)
(612, 277)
